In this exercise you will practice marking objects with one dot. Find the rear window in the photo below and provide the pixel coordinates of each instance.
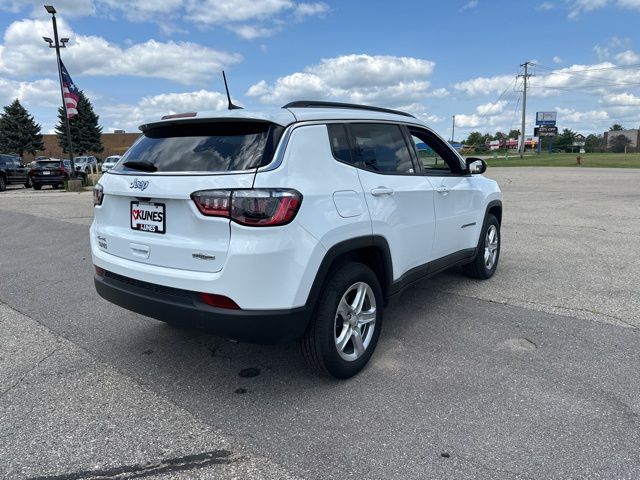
(204, 147)
(48, 164)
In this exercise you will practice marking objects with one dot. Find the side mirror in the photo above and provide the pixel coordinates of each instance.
(476, 165)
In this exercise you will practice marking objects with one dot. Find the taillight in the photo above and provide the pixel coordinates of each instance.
(219, 301)
(99, 271)
(252, 207)
(98, 195)
(213, 203)
(62, 171)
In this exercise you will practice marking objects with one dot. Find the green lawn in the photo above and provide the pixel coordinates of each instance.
(611, 160)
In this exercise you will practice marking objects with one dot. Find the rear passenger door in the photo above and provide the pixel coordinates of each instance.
(400, 201)
(458, 197)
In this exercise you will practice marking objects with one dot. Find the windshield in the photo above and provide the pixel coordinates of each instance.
(204, 147)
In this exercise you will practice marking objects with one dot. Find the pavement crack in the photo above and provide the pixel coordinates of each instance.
(617, 321)
(26, 374)
(164, 466)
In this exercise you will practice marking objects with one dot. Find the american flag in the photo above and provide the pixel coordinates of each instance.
(70, 91)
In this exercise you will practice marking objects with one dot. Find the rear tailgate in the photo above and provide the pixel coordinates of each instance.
(184, 238)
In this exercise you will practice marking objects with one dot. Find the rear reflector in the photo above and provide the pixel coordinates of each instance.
(219, 301)
(99, 271)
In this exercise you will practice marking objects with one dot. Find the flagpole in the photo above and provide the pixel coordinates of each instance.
(56, 45)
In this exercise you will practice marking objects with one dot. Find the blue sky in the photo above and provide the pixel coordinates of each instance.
(140, 59)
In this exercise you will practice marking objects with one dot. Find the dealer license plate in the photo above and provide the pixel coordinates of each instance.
(148, 217)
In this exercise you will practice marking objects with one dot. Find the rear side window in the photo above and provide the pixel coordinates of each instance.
(339, 142)
(380, 148)
(205, 147)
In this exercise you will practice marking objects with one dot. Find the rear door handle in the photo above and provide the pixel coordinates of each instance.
(377, 192)
(442, 189)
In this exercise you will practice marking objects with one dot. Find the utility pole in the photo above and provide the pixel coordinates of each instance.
(58, 45)
(453, 128)
(525, 76)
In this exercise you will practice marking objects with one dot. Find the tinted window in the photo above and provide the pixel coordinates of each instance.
(47, 164)
(380, 148)
(339, 142)
(205, 147)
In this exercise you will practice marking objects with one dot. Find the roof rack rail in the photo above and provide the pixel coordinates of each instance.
(321, 104)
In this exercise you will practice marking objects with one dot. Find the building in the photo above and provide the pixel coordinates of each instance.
(632, 136)
(113, 143)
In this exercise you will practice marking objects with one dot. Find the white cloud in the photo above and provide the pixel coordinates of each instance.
(24, 53)
(557, 60)
(71, 8)
(491, 108)
(471, 4)
(438, 93)
(485, 85)
(580, 6)
(633, 4)
(129, 117)
(39, 93)
(546, 6)
(628, 57)
(249, 32)
(573, 116)
(310, 9)
(381, 80)
(468, 121)
(621, 99)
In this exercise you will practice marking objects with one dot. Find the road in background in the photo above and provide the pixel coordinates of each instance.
(470, 379)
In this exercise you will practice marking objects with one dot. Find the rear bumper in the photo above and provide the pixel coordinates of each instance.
(48, 179)
(183, 307)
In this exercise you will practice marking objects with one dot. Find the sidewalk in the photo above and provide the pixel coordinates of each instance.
(65, 415)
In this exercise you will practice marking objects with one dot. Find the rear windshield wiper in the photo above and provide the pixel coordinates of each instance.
(141, 165)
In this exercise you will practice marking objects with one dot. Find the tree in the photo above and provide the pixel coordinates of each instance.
(619, 143)
(594, 143)
(85, 131)
(514, 134)
(474, 138)
(565, 139)
(616, 127)
(19, 133)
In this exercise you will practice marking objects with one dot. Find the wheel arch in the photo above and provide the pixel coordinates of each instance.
(494, 208)
(371, 250)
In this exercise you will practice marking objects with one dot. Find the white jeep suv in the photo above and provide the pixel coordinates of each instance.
(298, 223)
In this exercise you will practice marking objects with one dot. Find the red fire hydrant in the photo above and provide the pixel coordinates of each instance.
(578, 159)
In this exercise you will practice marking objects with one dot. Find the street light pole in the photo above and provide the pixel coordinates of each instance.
(453, 128)
(57, 45)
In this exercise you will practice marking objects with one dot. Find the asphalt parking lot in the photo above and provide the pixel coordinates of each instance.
(532, 374)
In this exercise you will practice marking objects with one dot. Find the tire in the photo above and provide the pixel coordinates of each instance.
(56, 186)
(486, 261)
(36, 186)
(3, 184)
(329, 346)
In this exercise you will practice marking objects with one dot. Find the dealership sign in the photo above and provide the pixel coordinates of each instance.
(546, 118)
(546, 131)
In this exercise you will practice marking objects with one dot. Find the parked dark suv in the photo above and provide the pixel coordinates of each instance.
(12, 171)
(51, 171)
